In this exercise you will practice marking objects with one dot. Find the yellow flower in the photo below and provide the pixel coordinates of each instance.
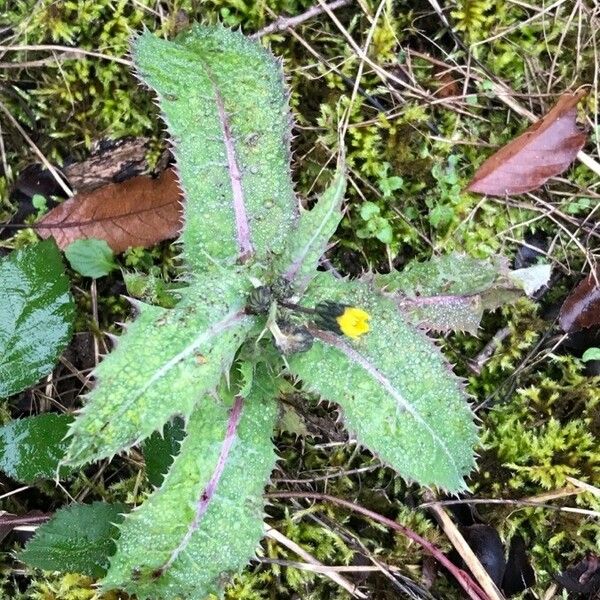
(341, 318)
(354, 322)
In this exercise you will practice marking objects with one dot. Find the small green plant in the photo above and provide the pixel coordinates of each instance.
(256, 313)
(90, 257)
(256, 309)
(375, 225)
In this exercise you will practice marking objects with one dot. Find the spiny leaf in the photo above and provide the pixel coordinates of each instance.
(223, 99)
(207, 520)
(36, 315)
(451, 274)
(396, 392)
(310, 239)
(443, 293)
(546, 149)
(450, 293)
(167, 360)
(443, 313)
(138, 212)
(79, 538)
(31, 448)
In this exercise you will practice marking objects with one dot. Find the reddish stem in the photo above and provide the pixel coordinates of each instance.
(471, 587)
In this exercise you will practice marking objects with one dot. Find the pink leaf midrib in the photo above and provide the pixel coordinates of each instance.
(209, 490)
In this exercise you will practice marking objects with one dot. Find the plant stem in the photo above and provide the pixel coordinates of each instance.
(298, 308)
(473, 590)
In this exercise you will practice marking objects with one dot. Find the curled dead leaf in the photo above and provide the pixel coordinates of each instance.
(141, 211)
(546, 149)
(581, 309)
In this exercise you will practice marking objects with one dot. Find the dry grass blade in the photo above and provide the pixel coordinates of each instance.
(467, 554)
(291, 545)
(139, 212)
(283, 23)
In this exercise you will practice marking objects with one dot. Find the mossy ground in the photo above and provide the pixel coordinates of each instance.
(417, 132)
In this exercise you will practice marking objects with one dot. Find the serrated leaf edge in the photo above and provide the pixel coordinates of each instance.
(352, 354)
(208, 492)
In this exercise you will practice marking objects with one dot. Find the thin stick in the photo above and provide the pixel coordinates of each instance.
(283, 23)
(65, 49)
(361, 66)
(472, 588)
(37, 151)
(583, 486)
(466, 553)
(309, 558)
(324, 569)
(520, 503)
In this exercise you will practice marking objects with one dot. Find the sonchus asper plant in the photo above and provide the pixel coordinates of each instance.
(256, 311)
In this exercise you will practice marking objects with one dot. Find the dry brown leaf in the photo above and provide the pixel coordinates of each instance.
(581, 309)
(138, 212)
(546, 149)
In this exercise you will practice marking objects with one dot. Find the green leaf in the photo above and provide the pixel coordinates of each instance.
(78, 539)
(40, 203)
(450, 274)
(291, 421)
(531, 279)
(90, 257)
(396, 391)
(224, 101)
(384, 232)
(161, 448)
(591, 354)
(164, 364)
(368, 210)
(309, 241)
(441, 215)
(36, 315)
(450, 292)
(31, 448)
(207, 520)
(390, 184)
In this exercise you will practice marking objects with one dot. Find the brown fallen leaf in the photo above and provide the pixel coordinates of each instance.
(546, 149)
(138, 212)
(581, 309)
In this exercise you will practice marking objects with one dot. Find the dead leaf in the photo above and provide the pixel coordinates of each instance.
(581, 309)
(138, 212)
(445, 85)
(519, 574)
(546, 149)
(582, 578)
